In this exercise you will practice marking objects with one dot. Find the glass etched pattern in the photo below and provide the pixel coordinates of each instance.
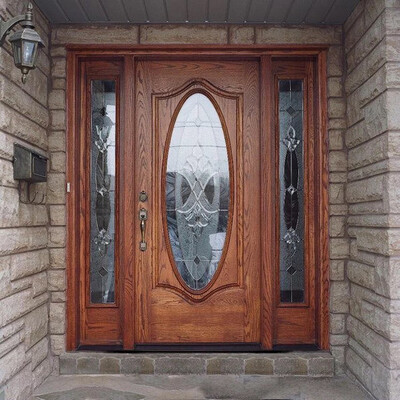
(291, 176)
(102, 192)
(197, 191)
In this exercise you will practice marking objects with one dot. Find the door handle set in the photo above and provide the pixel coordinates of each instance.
(143, 215)
(143, 219)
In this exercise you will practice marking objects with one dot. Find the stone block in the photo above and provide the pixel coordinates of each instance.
(39, 284)
(12, 362)
(57, 343)
(335, 87)
(192, 34)
(335, 61)
(361, 274)
(337, 161)
(39, 352)
(336, 107)
(291, 366)
(57, 161)
(339, 298)
(57, 215)
(336, 193)
(57, 99)
(339, 248)
(57, 318)
(337, 226)
(58, 70)
(225, 365)
(337, 270)
(16, 240)
(179, 366)
(137, 365)
(259, 366)
(57, 120)
(88, 365)
(56, 236)
(26, 264)
(110, 365)
(58, 297)
(21, 127)
(323, 366)
(57, 141)
(56, 188)
(20, 101)
(88, 34)
(370, 189)
(298, 34)
(36, 325)
(241, 35)
(57, 258)
(68, 365)
(56, 280)
(337, 323)
(359, 368)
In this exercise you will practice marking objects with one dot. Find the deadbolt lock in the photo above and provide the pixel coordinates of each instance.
(143, 196)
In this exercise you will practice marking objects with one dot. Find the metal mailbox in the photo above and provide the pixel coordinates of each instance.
(29, 165)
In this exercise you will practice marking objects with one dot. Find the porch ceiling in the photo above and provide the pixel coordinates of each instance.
(197, 11)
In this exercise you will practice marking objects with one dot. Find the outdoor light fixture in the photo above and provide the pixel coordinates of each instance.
(25, 43)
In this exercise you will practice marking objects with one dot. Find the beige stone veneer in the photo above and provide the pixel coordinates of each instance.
(25, 359)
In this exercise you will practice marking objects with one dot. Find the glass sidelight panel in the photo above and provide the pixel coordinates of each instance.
(291, 176)
(102, 191)
(197, 191)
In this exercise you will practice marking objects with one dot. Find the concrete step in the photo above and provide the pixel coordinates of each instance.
(313, 364)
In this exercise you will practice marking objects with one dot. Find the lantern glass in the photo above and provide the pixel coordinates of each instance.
(29, 53)
(17, 51)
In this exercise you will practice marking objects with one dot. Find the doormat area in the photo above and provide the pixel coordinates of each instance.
(91, 393)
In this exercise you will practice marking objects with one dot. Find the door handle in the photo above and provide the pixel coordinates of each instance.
(143, 219)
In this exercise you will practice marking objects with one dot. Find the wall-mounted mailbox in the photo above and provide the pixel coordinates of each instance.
(29, 166)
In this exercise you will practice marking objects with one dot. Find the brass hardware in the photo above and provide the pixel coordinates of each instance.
(143, 219)
(143, 196)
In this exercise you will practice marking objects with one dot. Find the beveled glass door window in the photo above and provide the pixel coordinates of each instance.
(292, 190)
(102, 191)
(197, 191)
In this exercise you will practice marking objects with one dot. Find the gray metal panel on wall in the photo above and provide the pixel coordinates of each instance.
(198, 11)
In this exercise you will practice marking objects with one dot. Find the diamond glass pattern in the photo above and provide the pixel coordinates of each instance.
(197, 191)
(291, 190)
(102, 192)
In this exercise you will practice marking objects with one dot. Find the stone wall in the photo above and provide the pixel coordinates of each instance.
(24, 258)
(150, 34)
(372, 49)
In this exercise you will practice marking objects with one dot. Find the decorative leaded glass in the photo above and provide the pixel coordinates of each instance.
(197, 191)
(102, 192)
(291, 174)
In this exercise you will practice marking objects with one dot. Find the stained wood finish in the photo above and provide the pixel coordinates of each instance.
(228, 309)
(153, 306)
(296, 322)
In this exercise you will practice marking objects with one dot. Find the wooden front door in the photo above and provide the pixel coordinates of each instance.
(197, 158)
(197, 197)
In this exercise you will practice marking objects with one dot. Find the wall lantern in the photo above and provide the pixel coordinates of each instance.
(25, 43)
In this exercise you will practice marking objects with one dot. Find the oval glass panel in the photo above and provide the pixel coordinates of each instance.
(197, 191)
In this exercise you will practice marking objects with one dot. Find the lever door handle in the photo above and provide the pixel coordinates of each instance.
(143, 219)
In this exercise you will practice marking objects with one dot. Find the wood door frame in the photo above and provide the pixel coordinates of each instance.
(265, 55)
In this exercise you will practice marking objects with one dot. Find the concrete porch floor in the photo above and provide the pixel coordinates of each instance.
(156, 387)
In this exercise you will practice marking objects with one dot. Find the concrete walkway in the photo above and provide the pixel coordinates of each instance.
(120, 387)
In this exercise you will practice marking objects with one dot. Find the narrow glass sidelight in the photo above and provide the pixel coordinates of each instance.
(102, 191)
(197, 191)
(291, 176)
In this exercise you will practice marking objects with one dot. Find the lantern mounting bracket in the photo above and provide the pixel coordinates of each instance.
(26, 21)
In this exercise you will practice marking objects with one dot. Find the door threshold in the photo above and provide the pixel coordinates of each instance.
(201, 348)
